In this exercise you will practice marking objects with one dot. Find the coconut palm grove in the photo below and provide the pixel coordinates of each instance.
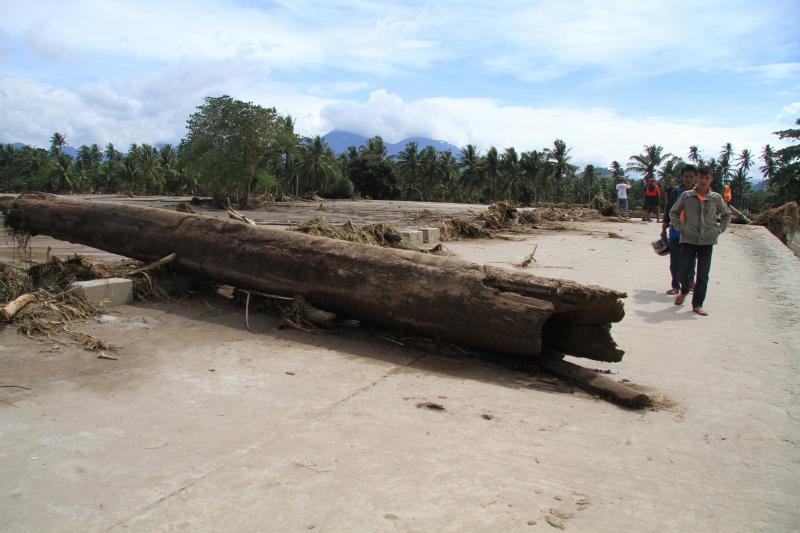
(235, 150)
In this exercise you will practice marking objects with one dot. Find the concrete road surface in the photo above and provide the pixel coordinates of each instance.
(203, 426)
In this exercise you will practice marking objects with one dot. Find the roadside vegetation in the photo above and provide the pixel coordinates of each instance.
(235, 150)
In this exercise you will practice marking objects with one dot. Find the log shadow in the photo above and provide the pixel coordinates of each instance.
(403, 353)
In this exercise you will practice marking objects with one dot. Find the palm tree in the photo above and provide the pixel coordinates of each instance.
(64, 179)
(512, 185)
(491, 169)
(694, 155)
(57, 143)
(377, 147)
(648, 161)
(561, 169)
(725, 157)
(151, 169)
(469, 162)
(288, 145)
(589, 177)
(531, 163)
(770, 163)
(450, 169)
(432, 173)
(408, 167)
(739, 182)
(317, 166)
(130, 172)
(745, 160)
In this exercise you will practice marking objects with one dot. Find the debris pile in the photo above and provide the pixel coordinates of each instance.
(381, 234)
(603, 206)
(783, 221)
(40, 302)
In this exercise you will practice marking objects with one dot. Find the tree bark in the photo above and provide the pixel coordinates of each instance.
(480, 306)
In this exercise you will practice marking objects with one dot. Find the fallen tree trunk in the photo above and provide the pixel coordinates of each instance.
(480, 306)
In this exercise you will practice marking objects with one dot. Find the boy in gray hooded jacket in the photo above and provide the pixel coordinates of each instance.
(695, 215)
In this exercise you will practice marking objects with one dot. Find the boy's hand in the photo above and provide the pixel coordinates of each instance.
(663, 233)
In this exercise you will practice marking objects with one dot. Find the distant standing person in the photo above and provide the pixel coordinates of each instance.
(694, 215)
(622, 196)
(689, 177)
(727, 194)
(652, 198)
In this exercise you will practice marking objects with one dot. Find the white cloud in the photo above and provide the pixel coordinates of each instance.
(596, 135)
(534, 41)
(789, 114)
(149, 111)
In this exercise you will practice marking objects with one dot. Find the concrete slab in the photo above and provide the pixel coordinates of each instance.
(411, 236)
(430, 235)
(107, 292)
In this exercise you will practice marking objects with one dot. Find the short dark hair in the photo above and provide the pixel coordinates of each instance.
(704, 170)
(689, 168)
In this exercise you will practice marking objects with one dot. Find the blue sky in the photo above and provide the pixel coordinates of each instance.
(607, 77)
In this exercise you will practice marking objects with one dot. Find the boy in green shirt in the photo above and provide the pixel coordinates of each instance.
(695, 215)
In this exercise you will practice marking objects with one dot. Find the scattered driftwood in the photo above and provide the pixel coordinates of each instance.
(14, 306)
(594, 382)
(154, 265)
(428, 295)
(529, 258)
(738, 216)
(236, 215)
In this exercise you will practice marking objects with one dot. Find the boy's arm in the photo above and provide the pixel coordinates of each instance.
(725, 215)
(675, 214)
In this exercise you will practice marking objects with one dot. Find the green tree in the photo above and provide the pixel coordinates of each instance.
(432, 174)
(471, 175)
(770, 163)
(371, 172)
(694, 155)
(449, 166)
(63, 176)
(786, 184)
(229, 142)
(490, 164)
(725, 161)
(589, 178)
(57, 143)
(648, 162)
(533, 169)
(408, 169)
(512, 186)
(317, 167)
(561, 168)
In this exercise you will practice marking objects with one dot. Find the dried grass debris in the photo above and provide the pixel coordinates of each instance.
(381, 234)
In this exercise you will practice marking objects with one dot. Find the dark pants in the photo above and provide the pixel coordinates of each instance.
(690, 253)
(675, 263)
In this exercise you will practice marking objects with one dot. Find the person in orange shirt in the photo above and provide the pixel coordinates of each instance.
(652, 198)
(727, 194)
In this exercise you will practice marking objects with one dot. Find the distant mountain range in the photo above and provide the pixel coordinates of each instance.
(340, 141)
(69, 150)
